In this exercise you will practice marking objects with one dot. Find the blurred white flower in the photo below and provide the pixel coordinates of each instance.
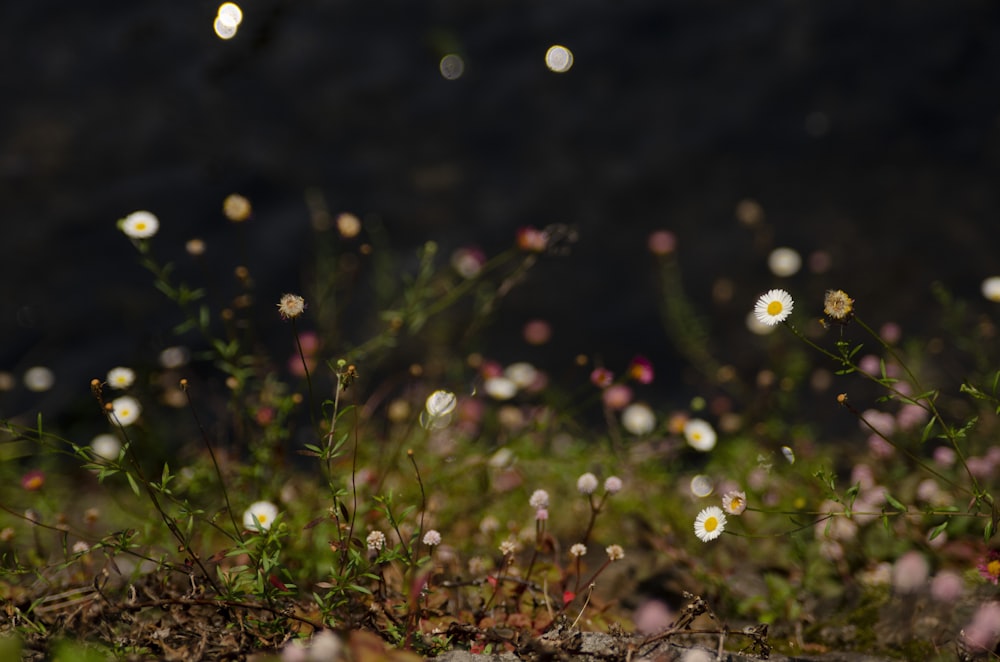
(586, 483)
(500, 388)
(638, 419)
(139, 225)
(260, 516)
(784, 261)
(106, 446)
(125, 410)
(700, 435)
(120, 378)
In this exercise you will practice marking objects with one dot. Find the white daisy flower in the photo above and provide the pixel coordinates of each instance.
(773, 306)
(125, 410)
(700, 435)
(260, 516)
(710, 523)
(120, 378)
(139, 225)
(734, 502)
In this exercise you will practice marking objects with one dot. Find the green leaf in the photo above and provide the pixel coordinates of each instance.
(938, 530)
(926, 434)
(133, 484)
(894, 502)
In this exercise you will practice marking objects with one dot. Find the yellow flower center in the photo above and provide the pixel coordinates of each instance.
(696, 436)
(711, 524)
(261, 518)
(140, 226)
(774, 308)
(993, 568)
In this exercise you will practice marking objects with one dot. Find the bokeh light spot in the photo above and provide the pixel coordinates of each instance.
(39, 379)
(559, 59)
(230, 14)
(222, 30)
(452, 66)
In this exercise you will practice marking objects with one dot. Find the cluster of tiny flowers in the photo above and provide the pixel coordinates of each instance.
(539, 499)
(432, 538)
(710, 523)
(837, 305)
(291, 306)
(578, 550)
(260, 515)
(375, 541)
(586, 483)
(613, 485)
(615, 552)
(773, 306)
(508, 547)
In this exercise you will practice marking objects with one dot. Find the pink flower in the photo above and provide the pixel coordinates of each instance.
(617, 396)
(641, 370)
(33, 480)
(662, 243)
(989, 567)
(602, 377)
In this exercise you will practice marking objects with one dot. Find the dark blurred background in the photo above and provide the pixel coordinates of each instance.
(867, 130)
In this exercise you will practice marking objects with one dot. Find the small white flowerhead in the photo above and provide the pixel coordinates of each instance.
(539, 499)
(120, 378)
(139, 225)
(432, 537)
(837, 305)
(508, 547)
(291, 306)
(613, 485)
(784, 261)
(500, 388)
(773, 306)
(700, 435)
(260, 516)
(638, 419)
(375, 541)
(125, 410)
(523, 374)
(578, 550)
(991, 288)
(106, 446)
(734, 502)
(587, 483)
(615, 552)
(440, 404)
(710, 523)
